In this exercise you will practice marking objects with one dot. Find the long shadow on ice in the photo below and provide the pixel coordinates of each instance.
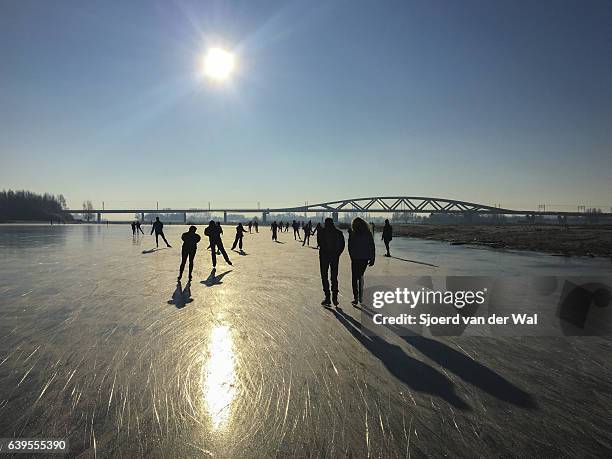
(412, 372)
(407, 260)
(465, 367)
(213, 279)
(153, 250)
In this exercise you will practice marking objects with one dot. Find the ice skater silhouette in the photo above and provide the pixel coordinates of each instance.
(387, 235)
(239, 233)
(158, 227)
(331, 244)
(363, 253)
(190, 245)
(213, 231)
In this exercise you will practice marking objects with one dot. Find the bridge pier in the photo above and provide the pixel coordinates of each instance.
(141, 217)
(335, 217)
(99, 217)
(225, 216)
(264, 217)
(184, 217)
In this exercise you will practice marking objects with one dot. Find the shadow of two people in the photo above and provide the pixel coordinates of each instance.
(424, 378)
(181, 296)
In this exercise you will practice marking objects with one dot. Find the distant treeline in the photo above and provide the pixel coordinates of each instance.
(28, 206)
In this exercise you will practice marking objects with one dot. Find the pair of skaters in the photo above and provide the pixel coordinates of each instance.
(330, 241)
(136, 228)
(253, 223)
(190, 245)
(331, 245)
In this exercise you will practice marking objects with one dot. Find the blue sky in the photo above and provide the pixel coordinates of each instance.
(493, 102)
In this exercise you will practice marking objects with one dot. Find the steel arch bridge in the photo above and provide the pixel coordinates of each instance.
(378, 204)
(389, 204)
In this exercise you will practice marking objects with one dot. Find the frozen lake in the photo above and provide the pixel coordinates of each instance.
(97, 346)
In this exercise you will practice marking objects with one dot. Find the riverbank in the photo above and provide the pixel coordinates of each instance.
(583, 240)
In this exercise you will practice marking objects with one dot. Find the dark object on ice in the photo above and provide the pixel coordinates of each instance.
(214, 231)
(158, 227)
(415, 374)
(213, 279)
(190, 246)
(239, 234)
(387, 235)
(363, 253)
(181, 296)
(331, 245)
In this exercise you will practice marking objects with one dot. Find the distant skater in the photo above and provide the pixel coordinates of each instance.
(362, 252)
(274, 228)
(213, 231)
(296, 230)
(316, 231)
(133, 228)
(158, 227)
(307, 233)
(287, 227)
(190, 245)
(256, 225)
(138, 228)
(372, 227)
(239, 233)
(387, 235)
(250, 225)
(331, 245)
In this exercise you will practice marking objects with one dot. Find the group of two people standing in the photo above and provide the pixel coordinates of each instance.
(135, 228)
(331, 245)
(361, 250)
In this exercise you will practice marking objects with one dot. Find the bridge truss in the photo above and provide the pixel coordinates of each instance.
(390, 204)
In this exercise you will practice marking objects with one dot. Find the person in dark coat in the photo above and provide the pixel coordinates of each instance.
(331, 245)
(158, 227)
(316, 231)
(296, 230)
(213, 231)
(274, 228)
(190, 245)
(307, 233)
(363, 253)
(387, 235)
(138, 228)
(239, 233)
(133, 228)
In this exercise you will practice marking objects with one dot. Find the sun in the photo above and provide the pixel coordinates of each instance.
(218, 64)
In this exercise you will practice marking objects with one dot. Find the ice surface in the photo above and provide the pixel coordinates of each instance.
(97, 344)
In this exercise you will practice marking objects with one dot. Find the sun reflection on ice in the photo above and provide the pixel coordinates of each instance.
(218, 376)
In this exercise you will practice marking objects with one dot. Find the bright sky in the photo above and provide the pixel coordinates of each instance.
(503, 102)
